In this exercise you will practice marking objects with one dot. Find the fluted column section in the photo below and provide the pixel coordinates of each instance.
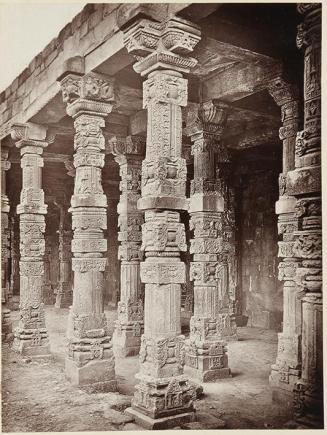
(304, 183)
(163, 395)
(31, 336)
(90, 360)
(287, 369)
(129, 154)
(5, 247)
(206, 355)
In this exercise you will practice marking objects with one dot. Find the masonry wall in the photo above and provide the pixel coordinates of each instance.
(260, 292)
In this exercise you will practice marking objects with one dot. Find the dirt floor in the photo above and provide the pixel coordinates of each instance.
(37, 397)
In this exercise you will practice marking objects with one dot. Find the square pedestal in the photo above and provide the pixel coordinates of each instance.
(41, 351)
(126, 343)
(160, 423)
(95, 376)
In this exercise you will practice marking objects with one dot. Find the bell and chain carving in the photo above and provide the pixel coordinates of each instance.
(90, 98)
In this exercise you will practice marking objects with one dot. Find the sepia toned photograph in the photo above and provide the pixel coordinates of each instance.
(161, 222)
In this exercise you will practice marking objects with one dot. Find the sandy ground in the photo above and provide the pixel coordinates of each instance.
(37, 397)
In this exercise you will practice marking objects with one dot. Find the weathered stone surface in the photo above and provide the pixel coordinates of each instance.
(285, 373)
(5, 245)
(307, 240)
(163, 396)
(31, 336)
(128, 154)
(90, 361)
(213, 319)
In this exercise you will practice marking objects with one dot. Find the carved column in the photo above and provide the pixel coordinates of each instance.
(31, 336)
(90, 360)
(304, 183)
(287, 369)
(129, 326)
(5, 246)
(47, 291)
(206, 355)
(227, 277)
(163, 395)
(14, 257)
(64, 291)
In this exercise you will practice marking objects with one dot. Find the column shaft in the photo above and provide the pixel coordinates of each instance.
(129, 326)
(64, 291)
(5, 247)
(206, 355)
(31, 336)
(305, 184)
(287, 369)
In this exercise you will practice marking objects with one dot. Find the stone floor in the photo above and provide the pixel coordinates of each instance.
(36, 397)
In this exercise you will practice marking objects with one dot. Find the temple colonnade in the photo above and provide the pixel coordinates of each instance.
(153, 176)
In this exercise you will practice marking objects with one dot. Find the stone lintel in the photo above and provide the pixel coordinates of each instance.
(238, 82)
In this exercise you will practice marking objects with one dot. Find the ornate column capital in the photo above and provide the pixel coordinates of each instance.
(31, 135)
(206, 119)
(129, 146)
(309, 32)
(92, 92)
(5, 163)
(282, 91)
(162, 45)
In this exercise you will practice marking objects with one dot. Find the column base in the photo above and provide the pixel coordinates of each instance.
(33, 343)
(160, 423)
(162, 398)
(127, 341)
(282, 381)
(208, 375)
(95, 376)
(207, 361)
(283, 375)
(6, 325)
(228, 327)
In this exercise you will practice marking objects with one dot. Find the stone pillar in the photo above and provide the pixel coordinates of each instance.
(206, 355)
(304, 183)
(31, 336)
(287, 369)
(64, 291)
(90, 360)
(227, 258)
(47, 291)
(129, 326)
(14, 256)
(163, 396)
(5, 247)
